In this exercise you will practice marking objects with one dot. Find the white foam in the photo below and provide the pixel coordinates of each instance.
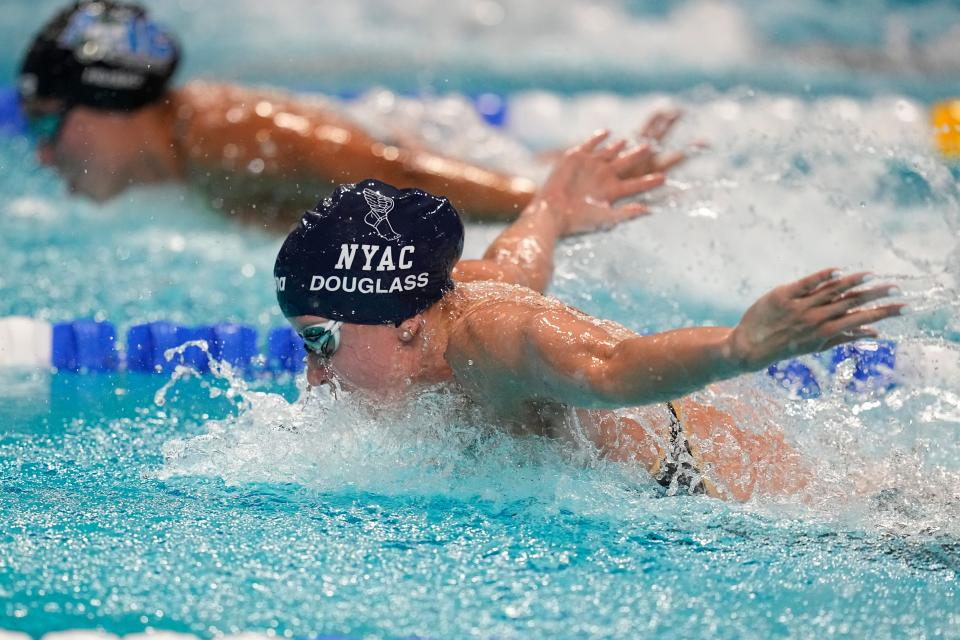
(934, 363)
(774, 198)
(80, 634)
(30, 207)
(160, 635)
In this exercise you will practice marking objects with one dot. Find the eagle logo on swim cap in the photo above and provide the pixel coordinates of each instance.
(380, 208)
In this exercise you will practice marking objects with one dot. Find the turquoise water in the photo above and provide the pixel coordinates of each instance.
(501, 539)
(805, 46)
(216, 506)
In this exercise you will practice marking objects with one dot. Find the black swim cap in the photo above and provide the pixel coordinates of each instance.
(369, 254)
(100, 53)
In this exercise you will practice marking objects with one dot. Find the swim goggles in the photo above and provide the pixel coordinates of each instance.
(322, 339)
(45, 128)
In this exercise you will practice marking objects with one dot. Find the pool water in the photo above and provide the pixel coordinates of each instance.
(222, 505)
(201, 517)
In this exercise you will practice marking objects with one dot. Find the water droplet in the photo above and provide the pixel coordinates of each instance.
(264, 109)
(235, 115)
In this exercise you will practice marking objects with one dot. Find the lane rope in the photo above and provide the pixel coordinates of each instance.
(89, 346)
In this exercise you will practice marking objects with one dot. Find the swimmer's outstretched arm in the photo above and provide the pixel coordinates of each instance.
(563, 356)
(283, 153)
(580, 195)
(287, 152)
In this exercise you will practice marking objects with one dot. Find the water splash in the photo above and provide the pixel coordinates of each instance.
(871, 455)
(236, 389)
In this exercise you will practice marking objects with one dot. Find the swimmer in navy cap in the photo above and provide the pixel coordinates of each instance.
(96, 87)
(370, 254)
(368, 281)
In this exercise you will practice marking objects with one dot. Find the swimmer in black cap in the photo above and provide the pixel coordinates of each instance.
(95, 85)
(368, 279)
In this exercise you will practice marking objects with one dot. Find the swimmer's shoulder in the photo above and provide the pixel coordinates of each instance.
(212, 99)
(488, 318)
(480, 298)
(484, 306)
(252, 120)
(220, 104)
(489, 313)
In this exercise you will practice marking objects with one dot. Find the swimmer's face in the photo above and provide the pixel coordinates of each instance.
(92, 150)
(380, 359)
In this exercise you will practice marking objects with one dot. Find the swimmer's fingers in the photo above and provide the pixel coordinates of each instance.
(851, 300)
(855, 320)
(666, 161)
(637, 161)
(659, 125)
(592, 142)
(611, 151)
(805, 285)
(829, 290)
(629, 212)
(634, 186)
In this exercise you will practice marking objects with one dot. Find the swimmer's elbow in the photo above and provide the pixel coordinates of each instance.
(622, 379)
(512, 274)
(605, 385)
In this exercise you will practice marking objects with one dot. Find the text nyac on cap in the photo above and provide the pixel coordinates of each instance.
(369, 254)
(100, 53)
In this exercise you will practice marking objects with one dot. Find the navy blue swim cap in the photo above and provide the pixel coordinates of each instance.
(100, 53)
(369, 254)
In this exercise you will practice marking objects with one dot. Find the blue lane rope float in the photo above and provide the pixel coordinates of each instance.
(492, 107)
(873, 367)
(285, 350)
(87, 346)
(148, 343)
(12, 121)
(84, 345)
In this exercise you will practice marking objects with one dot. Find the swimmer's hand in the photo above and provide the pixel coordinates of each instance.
(812, 314)
(651, 135)
(589, 180)
(651, 156)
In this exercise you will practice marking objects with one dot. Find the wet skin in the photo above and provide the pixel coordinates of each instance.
(533, 361)
(100, 154)
(447, 344)
(267, 156)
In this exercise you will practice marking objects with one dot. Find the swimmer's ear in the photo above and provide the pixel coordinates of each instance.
(409, 328)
